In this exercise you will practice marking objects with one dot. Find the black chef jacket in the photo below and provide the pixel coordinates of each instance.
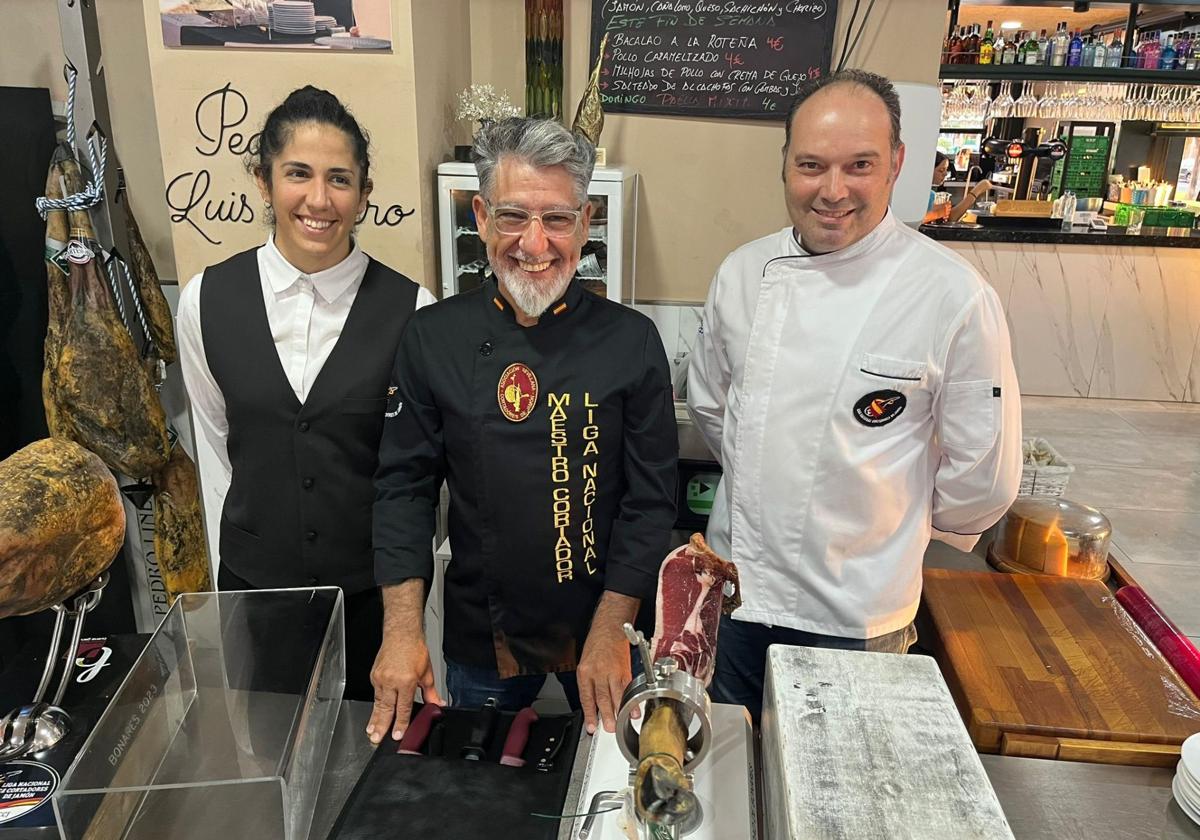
(559, 445)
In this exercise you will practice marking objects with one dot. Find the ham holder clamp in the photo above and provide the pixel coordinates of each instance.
(670, 699)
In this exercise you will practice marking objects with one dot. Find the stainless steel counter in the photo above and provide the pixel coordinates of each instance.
(1055, 800)
(1065, 800)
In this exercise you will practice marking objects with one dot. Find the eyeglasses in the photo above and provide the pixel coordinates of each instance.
(513, 220)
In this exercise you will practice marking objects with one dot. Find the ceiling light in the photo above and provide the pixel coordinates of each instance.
(1011, 24)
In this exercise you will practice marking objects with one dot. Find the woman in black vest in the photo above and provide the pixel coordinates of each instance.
(286, 351)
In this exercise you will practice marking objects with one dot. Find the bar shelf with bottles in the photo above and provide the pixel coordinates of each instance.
(1156, 56)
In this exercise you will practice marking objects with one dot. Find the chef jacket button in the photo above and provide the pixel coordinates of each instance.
(307, 483)
(485, 349)
(311, 536)
(303, 426)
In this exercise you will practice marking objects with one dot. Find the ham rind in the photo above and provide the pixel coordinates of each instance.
(691, 599)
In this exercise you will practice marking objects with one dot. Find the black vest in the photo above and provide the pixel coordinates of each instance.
(298, 511)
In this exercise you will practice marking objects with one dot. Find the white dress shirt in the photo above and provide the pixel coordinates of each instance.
(825, 507)
(306, 313)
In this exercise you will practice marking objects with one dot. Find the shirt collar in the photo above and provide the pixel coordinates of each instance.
(568, 303)
(862, 246)
(330, 284)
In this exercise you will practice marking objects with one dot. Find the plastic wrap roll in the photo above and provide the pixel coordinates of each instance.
(1171, 642)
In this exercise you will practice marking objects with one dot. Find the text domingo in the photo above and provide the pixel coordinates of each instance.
(218, 117)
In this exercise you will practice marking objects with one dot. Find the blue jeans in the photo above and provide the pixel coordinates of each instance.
(742, 656)
(470, 685)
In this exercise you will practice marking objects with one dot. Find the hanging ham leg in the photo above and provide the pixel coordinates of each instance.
(691, 599)
(96, 390)
(178, 528)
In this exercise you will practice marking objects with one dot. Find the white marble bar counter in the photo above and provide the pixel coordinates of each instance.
(1097, 319)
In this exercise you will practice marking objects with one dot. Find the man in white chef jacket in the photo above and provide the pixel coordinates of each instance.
(855, 379)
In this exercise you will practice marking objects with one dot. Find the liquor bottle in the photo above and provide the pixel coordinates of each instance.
(1018, 48)
(1099, 53)
(1060, 47)
(1115, 52)
(1007, 51)
(946, 48)
(1166, 59)
(1152, 52)
(1088, 57)
(1075, 50)
(956, 43)
(972, 47)
(1183, 50)
(1043, 49)
(1032, 49)
(985, 45)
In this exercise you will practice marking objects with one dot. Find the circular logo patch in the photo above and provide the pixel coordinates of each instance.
(78, 252)
(879, 408)
(517, 392)
(24, 787)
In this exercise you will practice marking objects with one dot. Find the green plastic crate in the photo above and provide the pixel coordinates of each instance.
(1157, 216)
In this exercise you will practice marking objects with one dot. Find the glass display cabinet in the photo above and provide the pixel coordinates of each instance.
(606, 264)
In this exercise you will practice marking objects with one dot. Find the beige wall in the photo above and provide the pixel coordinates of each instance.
(707, 185)
(31, 59)
(439, 28)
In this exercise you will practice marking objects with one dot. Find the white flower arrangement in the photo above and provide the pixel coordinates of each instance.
(482, 103)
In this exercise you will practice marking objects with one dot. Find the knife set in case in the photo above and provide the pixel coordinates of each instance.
(461, 772)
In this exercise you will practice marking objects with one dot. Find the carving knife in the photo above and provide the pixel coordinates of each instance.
(518, 736)
(414, 737)
(481, 733)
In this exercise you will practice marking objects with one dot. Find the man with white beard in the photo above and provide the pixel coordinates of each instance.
(548, 411)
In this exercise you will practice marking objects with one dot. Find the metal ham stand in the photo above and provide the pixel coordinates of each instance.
(40, 725)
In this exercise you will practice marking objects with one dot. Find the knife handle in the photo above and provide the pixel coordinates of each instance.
(418, 730)
(518, 737)
(481, 732)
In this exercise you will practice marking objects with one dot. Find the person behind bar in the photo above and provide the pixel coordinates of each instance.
(548, 410)
(286, 352)
(941, 169)
(856, 382)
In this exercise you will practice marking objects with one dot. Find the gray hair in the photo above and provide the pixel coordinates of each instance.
(878, 85)
(540, 143)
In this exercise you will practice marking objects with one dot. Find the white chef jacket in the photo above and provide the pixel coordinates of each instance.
(306, 313)
(827, 516)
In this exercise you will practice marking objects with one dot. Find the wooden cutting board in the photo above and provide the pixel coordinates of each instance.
(1051, 667)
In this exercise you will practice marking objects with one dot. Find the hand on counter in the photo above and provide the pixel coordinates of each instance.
(402, 664)
(604, 669)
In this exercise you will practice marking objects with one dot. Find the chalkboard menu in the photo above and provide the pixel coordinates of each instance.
(711, 58)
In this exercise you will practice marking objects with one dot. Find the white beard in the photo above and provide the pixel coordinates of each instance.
(532, 296)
